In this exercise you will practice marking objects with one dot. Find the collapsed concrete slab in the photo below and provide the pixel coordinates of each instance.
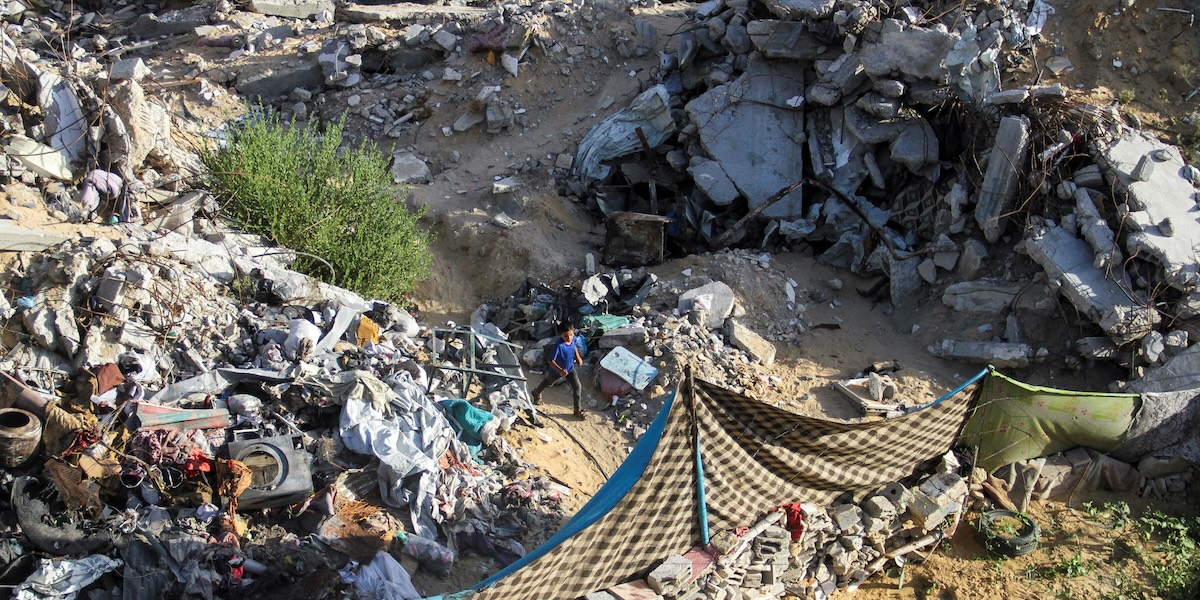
(762, 157)
(746, 340)
(998, 354)
(1070, 263)
(1006, 164)
(788, 40)
(1161, 209)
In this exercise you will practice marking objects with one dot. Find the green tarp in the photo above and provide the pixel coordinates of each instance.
(1014, 421)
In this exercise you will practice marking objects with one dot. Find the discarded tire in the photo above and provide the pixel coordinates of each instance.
(20, 432)
(1017, 539)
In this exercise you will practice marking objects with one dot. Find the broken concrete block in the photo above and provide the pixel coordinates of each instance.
(448, 41)
(720, 302)
(128, 68)
(983, 296)
(763, 163)
(1006, 164)
(712, 180)
(796, 10)
(970, 263)
(903, 278)
(787, 40)
(1070, 262)
(929, 511)
(634, 590)
(879, 507)
(39, 324)
(927, 270)
(916, 147)
(670, 576)
(277, 78)
(999, 354)
(408, 168)
(744, 339)
(1096, 231)
(913, 51)
(505, 185)
(632, 335)
(1090, 176)
(1007, 97)
(296, 9)
(172, 22)
(847, 517)
(898, 495)
(601, 595)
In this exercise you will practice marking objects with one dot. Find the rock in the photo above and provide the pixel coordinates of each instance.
(1006, 165)
(563, 161)
(889, 88)
(879, 105)
(746, 340)
(904, 279)
(720, 302)
(128, 68)
(408, 168)
(296, 9)
(1153, 346)
(406, 12)
(946, 261)
(630, 335)
(879, 507)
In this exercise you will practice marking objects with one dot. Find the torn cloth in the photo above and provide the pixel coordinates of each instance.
(407, 433)
(62, 579)
(383, 579)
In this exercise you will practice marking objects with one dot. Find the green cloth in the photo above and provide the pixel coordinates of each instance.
(1014, 421)
(471, 419)
(605, 322)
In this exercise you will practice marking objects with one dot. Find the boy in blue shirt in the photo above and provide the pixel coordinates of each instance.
(563, 359)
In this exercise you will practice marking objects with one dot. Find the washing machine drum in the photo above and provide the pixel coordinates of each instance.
(279, 473)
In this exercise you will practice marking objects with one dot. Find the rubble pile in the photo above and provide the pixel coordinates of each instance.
(884, 108)
(809, 551)
(186, 401)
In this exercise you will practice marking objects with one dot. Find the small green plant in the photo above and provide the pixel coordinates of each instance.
(1117, 514)
(1075, 566)
(304, 191)
(1126, 96)
(1177, 573)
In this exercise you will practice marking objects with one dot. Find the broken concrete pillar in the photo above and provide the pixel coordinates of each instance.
(1006, 164)
(1096, 231)
(983, 296)
(744, 339)
(296, 9)
(1070, 263)
(999, 354)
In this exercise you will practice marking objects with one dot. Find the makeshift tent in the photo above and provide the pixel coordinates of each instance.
(752, 456)
(1013, 421)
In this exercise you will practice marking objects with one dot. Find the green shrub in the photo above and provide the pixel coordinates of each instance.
(293, 185)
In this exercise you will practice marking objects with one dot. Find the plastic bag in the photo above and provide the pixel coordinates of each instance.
(431, 555)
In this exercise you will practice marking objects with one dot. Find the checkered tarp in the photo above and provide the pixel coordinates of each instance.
(756, 456)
